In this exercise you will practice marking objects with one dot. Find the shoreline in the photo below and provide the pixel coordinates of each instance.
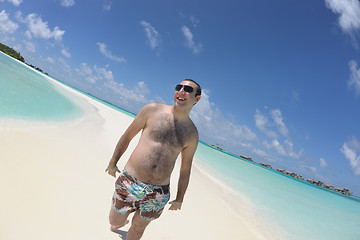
(351, 197)
(241, 206)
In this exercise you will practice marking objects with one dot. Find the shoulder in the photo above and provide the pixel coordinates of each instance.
(192, 125)
(152, 111)
(194, 134)
(150, 108)
(154, 107)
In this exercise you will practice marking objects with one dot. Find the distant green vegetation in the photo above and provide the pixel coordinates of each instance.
(11, 52)
(217, 147)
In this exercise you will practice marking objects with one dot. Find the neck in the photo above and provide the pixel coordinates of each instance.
(180, 113)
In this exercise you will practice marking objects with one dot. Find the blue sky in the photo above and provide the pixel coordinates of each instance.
(281, 78)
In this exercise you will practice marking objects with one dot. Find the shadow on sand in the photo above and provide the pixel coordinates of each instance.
(122, 234)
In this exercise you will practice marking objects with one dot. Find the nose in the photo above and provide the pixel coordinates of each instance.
(182, 89)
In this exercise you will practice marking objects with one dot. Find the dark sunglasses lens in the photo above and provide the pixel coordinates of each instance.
(178, 87)
(188, 89)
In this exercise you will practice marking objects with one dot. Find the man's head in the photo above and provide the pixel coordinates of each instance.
(188, 92)
(198, 88)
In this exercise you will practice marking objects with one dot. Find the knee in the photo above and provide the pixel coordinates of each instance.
(117, 219)
(138, 228)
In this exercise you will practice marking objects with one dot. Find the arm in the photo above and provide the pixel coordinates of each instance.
(134, 128)
(187, 155)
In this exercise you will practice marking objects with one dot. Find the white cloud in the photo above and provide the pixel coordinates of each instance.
(152, 34)
(194, 21)
(6, 25)
(313, 171)
(86, 72)
(190, 40)
(323, 163)
(28, 34)
(295, 96)
(285, 149)
(107, 5)
(65, 67)
(133, 99)
(95, 74)
(66, 53)
(311, 168)
(30, 46)
(107, 53)
(103, 73)
(15, 2)
(262, 153)
(17, 47)
(275, 144)
(67, 3)
(18, 15)
(50, 60)
(261, 122)
(351, 151)
(349, 11)
(354, 81)
(290, 149)
(40, 29)
(276, 115)
(215, 127)
(100, 81)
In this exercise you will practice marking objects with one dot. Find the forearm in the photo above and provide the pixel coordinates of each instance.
(120, 148)
(182, 186)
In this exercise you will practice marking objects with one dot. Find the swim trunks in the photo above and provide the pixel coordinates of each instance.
(131, 195)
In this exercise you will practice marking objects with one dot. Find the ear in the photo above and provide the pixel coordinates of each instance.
(197, 98)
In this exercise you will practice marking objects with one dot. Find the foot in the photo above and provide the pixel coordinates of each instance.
(115, 227)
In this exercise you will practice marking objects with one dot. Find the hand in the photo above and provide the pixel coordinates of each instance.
(112, 170)
(175, 205)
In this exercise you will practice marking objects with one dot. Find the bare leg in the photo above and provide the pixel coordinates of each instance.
(117, 220)
(137, 228)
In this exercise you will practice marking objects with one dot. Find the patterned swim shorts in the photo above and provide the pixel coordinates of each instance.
(131, 195)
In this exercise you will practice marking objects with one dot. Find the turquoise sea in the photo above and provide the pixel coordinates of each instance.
(26, 94)
(273, 204)
(280, 206)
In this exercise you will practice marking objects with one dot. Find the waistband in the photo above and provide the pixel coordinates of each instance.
(151, 186)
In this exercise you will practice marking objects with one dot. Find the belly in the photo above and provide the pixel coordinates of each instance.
(152, 164)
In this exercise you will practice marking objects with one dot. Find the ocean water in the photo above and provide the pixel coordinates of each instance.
(273, 205)
(25, 94)
(278, 206)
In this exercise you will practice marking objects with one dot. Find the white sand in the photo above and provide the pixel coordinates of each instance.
(53, 184)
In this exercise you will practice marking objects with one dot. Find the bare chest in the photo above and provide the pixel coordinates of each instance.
(168, 131)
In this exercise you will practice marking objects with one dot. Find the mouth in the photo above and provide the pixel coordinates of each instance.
(180, 99)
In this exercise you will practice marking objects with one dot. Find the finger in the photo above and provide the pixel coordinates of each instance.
(174, 208)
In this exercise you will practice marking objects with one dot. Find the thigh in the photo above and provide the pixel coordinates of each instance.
(139, 222)
(152, 206)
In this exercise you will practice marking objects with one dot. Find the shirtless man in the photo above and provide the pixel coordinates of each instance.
(143, 185)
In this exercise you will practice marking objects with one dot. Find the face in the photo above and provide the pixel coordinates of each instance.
(183, 98)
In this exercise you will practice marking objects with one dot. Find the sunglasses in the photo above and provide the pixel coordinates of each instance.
(188, 89)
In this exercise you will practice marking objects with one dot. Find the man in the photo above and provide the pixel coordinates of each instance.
(143, 185)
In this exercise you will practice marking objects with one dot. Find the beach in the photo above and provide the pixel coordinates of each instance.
(55, 186)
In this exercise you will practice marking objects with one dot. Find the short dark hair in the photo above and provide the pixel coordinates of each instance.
(198, 89)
